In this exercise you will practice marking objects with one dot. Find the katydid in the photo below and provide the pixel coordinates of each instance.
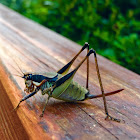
(60, 84)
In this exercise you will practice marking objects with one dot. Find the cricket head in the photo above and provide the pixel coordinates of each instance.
(29, 83)
(27, 76)
(29, 86)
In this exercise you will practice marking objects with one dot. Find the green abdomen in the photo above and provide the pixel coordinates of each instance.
(74, 92)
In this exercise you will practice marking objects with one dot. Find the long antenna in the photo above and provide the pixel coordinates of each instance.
(17, 75)
(19, 67)
(15, 69)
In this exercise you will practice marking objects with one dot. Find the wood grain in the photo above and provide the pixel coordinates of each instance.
(38, 49)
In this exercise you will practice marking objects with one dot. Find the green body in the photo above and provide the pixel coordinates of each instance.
(68, 91)
(74, 92)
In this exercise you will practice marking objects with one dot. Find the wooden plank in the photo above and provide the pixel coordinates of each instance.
(38, 49)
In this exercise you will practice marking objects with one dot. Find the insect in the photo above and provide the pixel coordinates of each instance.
(60, 84)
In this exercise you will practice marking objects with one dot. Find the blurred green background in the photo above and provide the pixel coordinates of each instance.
(112, 27)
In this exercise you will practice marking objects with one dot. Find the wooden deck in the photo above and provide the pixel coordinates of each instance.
(38, 49)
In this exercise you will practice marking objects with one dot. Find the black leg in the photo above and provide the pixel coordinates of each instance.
(64, 70)
(26, 97)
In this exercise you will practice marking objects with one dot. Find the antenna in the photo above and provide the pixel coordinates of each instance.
(17, 75)
(19, 67)
(15, 69)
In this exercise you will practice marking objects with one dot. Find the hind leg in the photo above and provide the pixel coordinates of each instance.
(64, 70)
(71, 74)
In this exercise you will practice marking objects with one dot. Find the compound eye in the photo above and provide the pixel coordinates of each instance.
(27, 77)
(30, 76)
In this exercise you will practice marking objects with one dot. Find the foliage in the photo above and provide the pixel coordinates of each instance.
(111, 27)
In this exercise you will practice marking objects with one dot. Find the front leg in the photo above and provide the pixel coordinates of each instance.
(26, 97)
(39, 84)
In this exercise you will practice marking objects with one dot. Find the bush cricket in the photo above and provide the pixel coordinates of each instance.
(60, 84)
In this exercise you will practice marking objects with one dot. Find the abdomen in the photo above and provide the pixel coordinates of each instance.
(74, 92)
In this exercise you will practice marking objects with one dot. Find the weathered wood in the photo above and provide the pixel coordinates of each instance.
(38, 49)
